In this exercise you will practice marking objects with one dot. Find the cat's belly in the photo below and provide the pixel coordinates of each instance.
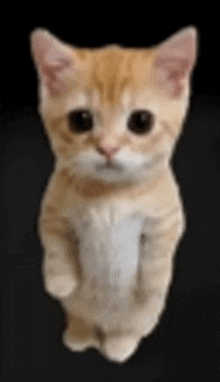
(110, 255)
(109, 260)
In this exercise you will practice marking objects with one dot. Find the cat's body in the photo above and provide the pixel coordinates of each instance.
(111, 238)
(110, 232)
(110, 229)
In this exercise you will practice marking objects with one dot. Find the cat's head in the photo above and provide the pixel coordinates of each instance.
(114, 113)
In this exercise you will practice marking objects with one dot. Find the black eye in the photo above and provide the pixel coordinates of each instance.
(80, 120)
(140, 121)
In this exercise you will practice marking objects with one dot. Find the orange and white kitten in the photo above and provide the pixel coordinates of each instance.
(112, 214)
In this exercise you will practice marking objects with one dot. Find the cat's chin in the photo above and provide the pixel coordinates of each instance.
(115, 175)
(109, 168)
(107, 175)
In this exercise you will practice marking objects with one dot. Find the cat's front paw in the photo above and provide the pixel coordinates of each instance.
(61, 285)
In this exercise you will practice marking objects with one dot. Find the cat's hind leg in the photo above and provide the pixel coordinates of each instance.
(119, 347)
(79, 335)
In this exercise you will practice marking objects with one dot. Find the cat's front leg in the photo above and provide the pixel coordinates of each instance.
(156, 268)
(59, 267)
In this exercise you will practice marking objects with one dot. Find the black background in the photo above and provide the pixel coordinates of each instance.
(185, 346)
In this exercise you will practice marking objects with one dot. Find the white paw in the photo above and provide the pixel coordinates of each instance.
(119, 349)
(60, 285)
(75, 345)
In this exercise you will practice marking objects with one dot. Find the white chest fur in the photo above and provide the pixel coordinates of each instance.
(109, 244)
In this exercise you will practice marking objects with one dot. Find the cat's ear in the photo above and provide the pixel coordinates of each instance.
(175, 59)
(54, 60)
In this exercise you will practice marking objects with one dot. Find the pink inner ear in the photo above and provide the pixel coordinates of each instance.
(53, 60)
(53, 73)
(175, 60)
(51, 80)
(176, 69)
(171, 73)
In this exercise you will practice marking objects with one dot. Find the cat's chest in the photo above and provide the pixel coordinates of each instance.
(109, 243)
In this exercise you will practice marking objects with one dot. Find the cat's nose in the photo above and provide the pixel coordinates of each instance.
(108, 151)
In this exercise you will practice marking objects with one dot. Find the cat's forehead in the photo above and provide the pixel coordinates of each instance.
(114, 72)
(114, 79)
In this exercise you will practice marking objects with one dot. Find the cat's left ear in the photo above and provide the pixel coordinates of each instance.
(175, 59)
(54, 61)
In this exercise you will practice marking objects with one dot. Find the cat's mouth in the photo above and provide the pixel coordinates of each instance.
(109, 166)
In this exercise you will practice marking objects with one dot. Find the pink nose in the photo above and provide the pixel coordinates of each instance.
(107, 151)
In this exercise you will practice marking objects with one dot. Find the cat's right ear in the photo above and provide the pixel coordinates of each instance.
(54, 61)
(175, 61)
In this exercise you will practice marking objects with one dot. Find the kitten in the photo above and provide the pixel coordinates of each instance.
(112, 215)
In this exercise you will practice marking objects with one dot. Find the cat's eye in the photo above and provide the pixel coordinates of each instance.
(140, 121)
(80, 121)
